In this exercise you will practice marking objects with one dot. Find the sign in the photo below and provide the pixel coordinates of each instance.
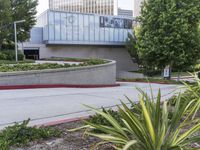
(167, 72)
(111, 22)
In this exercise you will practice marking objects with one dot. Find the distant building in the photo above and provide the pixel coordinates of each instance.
(137, 8)
(102, 7)
(125, 13)
(80, 35)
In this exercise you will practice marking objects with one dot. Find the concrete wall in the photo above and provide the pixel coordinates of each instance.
(119, 54)
(91, 75)
(137, 7)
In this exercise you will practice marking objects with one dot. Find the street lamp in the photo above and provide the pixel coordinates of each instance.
(15, 28)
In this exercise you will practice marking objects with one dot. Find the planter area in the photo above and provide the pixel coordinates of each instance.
(98, 75)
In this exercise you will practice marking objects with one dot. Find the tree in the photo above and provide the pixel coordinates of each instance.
(5, 20)
(169, 33)
(131, 44)
(14, 10)
(24, 10)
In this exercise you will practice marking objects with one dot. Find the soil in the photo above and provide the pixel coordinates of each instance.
(75, 140)
(68, 140)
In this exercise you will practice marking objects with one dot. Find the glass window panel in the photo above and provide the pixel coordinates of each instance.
(107, 38)
(63, 27)
(51, 26)
(97, 24)
(116, 35)
(92, 32)
(69, 26)
(75, 27)
(111, 34)
(121, 35)
(102, 35)
(57, 26)
(51, 18)
(81, 34)
(86, 28)
(125, 34)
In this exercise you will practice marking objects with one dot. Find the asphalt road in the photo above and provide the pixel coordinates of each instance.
(48, 105)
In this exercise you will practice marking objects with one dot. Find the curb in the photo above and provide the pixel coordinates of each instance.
(147, 82)
(15, 87)
(59, 122)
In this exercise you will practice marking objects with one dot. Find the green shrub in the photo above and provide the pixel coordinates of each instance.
(10, 55)
(3, 56)
(27, 67)
(151, 129)
(192, 93)
(91, 62)
(21, 134)
(98, 119)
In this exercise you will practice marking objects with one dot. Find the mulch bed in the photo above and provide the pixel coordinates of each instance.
(68, 140)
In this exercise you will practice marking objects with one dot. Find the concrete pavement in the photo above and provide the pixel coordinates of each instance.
(48, 105)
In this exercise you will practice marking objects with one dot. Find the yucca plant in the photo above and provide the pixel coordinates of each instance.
(151, 128)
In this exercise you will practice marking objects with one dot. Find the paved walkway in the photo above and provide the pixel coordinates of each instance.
(47, 105)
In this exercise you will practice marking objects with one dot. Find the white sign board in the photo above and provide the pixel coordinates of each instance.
(167, 72)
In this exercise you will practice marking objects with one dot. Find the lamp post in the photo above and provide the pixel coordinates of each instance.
(15, 28)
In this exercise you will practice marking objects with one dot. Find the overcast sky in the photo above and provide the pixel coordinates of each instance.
(125, 4)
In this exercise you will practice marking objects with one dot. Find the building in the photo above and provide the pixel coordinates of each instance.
(125, 13)
(67, 34)
(137, 8)
(102, 7)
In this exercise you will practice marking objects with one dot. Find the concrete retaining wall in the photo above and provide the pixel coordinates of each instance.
(91, 75)
(119, 53)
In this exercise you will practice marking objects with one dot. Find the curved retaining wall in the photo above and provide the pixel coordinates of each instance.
(104, 74)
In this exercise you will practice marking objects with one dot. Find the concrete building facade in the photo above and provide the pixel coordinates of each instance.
(103, 7)
(137, 8)
(66, 34)
(125, 13)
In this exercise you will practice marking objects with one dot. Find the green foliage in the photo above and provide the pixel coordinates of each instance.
(14, 62)
(24, 10)
(29, 66)
(22, 134)
(10, 55)
(99, 119)
(15, 10)
(169, 33)
(93, 61)
(5, 20)
(131, 45)
(192, 93)
(152, 80)
(153, 128)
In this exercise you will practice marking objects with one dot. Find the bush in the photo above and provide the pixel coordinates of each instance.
(10, 55)
(21, 134)
(152, 128)
(91, 62)
(98, 119)
(27, 67)
(192, 93)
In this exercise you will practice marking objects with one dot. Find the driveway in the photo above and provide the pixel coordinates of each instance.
(48, 105)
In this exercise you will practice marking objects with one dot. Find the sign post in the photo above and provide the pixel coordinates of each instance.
(167, 73)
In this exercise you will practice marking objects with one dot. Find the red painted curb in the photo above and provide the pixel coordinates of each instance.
(54, 123)
(13, 87)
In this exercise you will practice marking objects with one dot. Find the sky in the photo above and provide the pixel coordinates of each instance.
(124, 4)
